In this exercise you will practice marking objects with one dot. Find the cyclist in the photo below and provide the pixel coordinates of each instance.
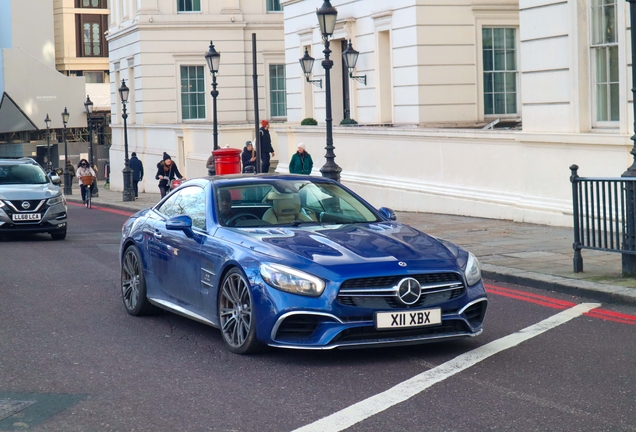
(84, 170)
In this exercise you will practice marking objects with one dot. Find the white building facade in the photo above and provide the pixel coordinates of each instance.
(551, 78)
(158, 47)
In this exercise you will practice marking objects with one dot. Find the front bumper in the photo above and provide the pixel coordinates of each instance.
(316, 324)
(53, 219)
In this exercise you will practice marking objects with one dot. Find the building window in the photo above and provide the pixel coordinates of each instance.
(192, 93)
(277, 97)
(189, 5)
(94, 77)
(500, 70)
(97, 4)
(605, 60)
(91, 41)
(274, 6)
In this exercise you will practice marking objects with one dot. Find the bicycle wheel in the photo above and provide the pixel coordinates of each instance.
(89, 197)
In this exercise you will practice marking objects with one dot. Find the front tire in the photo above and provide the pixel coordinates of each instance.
(133, 284)
(59, 235)
(236, 314)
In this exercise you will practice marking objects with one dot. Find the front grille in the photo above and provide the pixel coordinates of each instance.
(389, 281)
(33, 204)
(381, 292)
(360, 334)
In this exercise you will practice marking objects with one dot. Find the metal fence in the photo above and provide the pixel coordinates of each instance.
(601, 215)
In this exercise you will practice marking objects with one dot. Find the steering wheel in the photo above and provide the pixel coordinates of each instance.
(231, 221)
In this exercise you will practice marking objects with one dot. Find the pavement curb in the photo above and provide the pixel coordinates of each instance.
(596, 291)
(97, 202)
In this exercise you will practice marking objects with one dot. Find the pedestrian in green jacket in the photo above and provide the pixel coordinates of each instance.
(301, 162)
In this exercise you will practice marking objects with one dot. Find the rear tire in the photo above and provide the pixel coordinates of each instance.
(236, 314)
(59, 235)
(133, 284)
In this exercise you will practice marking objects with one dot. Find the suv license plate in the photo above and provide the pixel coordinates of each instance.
(416, 318)
(26, 216)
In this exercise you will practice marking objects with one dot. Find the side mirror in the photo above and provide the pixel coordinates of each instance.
(181, 223)
(387, 213)
(55, 179)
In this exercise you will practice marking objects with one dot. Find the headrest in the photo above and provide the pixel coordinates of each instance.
(274, 195)
(286, 205)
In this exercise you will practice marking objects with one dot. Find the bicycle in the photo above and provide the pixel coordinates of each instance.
(87, 183)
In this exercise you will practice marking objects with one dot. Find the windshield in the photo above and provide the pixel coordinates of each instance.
(22, 174)
(287, 202)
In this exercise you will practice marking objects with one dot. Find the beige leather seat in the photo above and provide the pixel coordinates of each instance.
(285, 209)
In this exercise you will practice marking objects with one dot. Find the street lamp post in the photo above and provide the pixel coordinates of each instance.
(213, 58)
(128, 193)
(88, 105)
(327, 15)
(628, 260)
(68, 187)
(47, 122)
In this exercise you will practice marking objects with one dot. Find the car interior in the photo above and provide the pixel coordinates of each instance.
(289, 203)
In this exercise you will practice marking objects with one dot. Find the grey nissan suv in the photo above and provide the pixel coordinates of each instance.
(30, 200)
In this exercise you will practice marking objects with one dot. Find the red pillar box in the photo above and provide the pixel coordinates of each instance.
(227, 161)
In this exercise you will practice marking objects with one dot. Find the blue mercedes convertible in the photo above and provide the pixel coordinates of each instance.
(296, 262)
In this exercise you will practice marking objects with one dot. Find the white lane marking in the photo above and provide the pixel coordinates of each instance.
(409, 388)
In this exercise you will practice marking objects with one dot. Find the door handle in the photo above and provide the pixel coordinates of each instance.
(157, 234)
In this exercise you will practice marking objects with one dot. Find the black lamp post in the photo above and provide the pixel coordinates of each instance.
(350, 57)
(47, 122)
(88, 105)
(128, 193)
(68, 187)
(629, 261)
(327, 15)
(213, 58)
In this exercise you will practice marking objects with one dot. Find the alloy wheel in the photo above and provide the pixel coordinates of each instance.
(235, 310)
(130, 279)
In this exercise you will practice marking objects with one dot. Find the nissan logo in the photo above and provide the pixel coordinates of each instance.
(409, 291)
(25, 205)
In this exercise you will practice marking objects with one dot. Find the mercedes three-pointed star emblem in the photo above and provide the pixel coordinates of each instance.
(409, 291)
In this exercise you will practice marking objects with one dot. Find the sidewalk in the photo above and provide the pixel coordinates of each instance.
(534, 255)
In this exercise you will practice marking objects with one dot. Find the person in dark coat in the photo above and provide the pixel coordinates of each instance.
(211, 164)
(138, 172)
(301, 162)
(266, 146)
(248, 157)
(166, 172)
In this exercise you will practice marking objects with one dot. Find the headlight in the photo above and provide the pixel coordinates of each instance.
(292, 280)
(472, 272)
(56, 200)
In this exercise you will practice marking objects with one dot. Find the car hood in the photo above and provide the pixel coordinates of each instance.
(28, 192)
(373, 246)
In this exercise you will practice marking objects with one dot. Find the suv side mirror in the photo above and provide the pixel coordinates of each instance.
(55, 179)
(388, 213)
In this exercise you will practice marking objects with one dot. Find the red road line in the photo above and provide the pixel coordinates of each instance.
(106, 209)
(534, 296)
(526, 299)
(553, 303)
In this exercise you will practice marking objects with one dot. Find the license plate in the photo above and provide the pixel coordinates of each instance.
(408, 319)
(26, 216)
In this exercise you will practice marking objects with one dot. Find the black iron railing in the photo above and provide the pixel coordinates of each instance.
(601, 215)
